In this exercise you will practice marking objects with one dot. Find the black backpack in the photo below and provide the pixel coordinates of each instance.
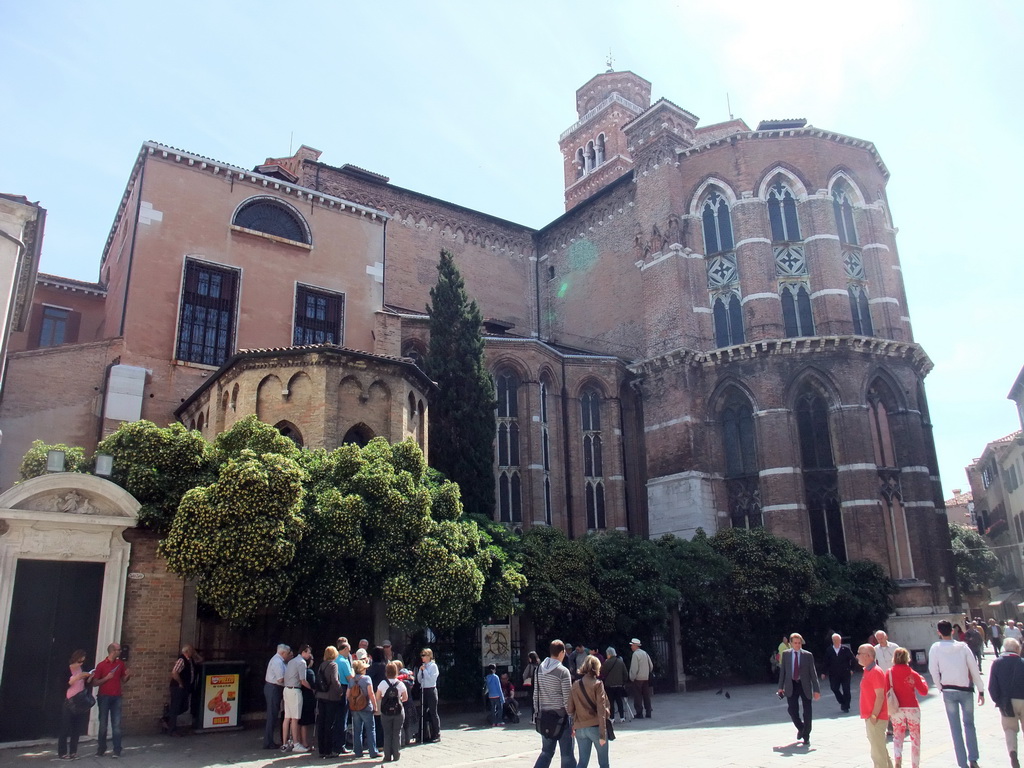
(391, 704)
(323, 682)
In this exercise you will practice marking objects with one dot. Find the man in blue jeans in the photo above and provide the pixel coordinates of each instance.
(955, 670)
(108, 675)
(551, 689)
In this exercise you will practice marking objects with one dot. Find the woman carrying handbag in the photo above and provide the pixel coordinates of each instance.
(74, 714)
(588, 704)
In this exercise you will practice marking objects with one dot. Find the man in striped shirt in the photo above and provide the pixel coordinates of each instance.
(551, 689)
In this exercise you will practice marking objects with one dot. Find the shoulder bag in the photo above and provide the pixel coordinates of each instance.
(609, 729)
(550, 722)
(892, 702)
(81, 702)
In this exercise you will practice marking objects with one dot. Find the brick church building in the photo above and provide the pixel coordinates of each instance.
(715, 333)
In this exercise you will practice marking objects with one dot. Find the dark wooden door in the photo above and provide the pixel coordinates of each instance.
(55, 610)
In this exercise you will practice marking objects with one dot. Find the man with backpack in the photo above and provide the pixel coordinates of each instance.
(391, 696)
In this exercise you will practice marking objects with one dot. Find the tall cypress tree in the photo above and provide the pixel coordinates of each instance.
(462, 416)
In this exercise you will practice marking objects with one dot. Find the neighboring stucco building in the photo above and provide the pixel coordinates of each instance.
(997, 485)
(715, 333)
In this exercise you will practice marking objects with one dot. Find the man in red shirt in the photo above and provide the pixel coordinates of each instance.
(873, 709)
(108, 675)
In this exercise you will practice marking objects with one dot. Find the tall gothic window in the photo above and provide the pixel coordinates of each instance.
(821, 477)
(782, 214)
(545, 440)
(717, 224)
(206, 324)
(843, 210)
(796, 309)
(593, 463)
(510, 493)
(741, 470)
(727, 312)
(860, 309)
(890, 489)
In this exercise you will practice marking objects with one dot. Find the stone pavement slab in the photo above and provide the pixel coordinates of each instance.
(750, 729)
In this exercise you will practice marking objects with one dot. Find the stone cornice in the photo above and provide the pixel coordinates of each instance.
(809, 131)
(912, 353)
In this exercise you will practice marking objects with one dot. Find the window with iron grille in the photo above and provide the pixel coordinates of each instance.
(271, 217)
(206, 327)
(319, 316)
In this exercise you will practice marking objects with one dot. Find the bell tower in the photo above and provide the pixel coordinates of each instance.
(594, 150)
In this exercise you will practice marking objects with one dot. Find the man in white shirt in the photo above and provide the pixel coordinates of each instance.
(1012, 630)
(640, 668)
(273, 686)
(294, 682)
(884, 651)
(955, 671)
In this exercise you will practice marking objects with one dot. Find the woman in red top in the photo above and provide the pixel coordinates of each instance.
(906, 684)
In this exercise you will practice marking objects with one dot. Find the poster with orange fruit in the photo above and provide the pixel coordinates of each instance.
(221, 710)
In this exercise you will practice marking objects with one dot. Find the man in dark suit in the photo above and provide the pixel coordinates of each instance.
(839, 663)
(798, 682)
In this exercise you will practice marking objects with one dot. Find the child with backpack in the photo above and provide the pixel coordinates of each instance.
(391, 694)
(494, 695)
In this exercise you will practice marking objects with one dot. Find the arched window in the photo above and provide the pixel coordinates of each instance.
(591, 156)
(289, 430)
(782, 213)
(717, 224)
(821, 478)
(272, 217)
(593, 460)
(580, 163)
(510, 504)
(360, 434)
(600, 149)
(796, 310)
(741, 470)
(843, 210)
(728, 316)
(860, 309)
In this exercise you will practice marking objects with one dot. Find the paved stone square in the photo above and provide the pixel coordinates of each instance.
(750, 729)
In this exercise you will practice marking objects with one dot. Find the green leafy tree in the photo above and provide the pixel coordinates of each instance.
(158, 465)
(236, 536)
(853, 599)
(977, 566)
(462, 415)
(34, 462)
(559, 593)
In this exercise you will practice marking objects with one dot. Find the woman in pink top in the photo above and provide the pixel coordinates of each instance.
(906, 684)
(73, 724)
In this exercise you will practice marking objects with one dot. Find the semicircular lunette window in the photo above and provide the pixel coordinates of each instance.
(273, 219)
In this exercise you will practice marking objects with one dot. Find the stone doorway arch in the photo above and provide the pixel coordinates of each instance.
(70, 520)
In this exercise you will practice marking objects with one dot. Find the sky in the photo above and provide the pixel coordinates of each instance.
(465, 101)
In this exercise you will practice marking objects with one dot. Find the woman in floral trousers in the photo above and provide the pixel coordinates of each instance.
(906, 684)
